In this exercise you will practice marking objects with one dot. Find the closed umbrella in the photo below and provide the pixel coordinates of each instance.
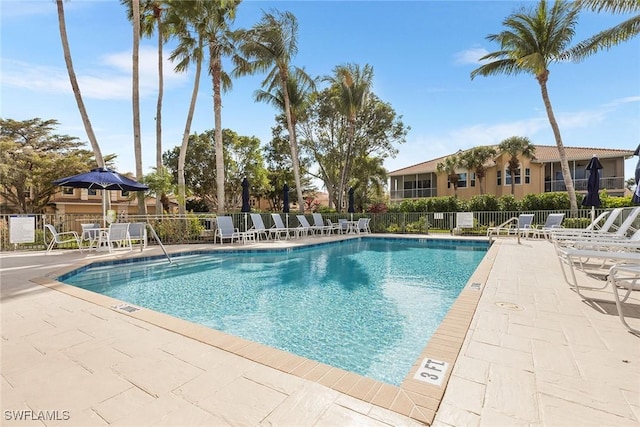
(636, 194)
(285, 202)
(246, 205)
(102, 179)
(593, 186)
(351, 209)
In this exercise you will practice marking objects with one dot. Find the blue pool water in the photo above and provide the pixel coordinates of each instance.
(367, 305)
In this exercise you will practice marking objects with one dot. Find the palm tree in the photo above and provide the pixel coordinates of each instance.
(137, 141)
(214, 19)
(475, 160)
(606, 39)
(532, 41)
(76, 89)
(269, 47)
(516, 146)
(450, 166)
(352, 87)
(151, 17)
(182, 17)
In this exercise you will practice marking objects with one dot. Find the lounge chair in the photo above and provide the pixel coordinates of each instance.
(553, 221)
(336, 226)
(318, 222)
(258, 226)
(511, 227)
(138, 232)
(602, 233)
(62, 238)
(304, 225)
(279, 228)
(624, 277)
(226, 230)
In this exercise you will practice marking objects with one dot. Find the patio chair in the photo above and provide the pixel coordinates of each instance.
(279, 228)
(258, 226)
(116, 236)
(552, 222)
(363, 226)
(570, 235)
(335, 226)
(318, 222)
(511, 227)
(62, 238)
(90, 233)
(138, 232)
(226, 230)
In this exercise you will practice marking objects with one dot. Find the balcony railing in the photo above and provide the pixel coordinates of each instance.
(413, 193)
(610, 183)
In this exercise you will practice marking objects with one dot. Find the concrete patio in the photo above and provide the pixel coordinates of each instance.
(534, 354)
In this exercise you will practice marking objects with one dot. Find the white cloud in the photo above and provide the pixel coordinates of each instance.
(470, 56)
(110, 80)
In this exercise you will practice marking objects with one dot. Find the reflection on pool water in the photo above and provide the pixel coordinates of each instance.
(366, 305)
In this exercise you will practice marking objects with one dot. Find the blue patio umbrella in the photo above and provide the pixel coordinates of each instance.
(593, 185)
(636, 194)
(351, 209)
(101, 179)
(246, 204)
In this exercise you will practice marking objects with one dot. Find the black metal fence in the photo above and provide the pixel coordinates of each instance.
(199, 228)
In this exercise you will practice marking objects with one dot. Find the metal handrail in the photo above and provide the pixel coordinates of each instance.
(155, 236)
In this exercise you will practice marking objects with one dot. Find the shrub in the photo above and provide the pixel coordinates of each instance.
(508, 203)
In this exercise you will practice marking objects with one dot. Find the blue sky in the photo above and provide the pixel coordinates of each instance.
(422, 53)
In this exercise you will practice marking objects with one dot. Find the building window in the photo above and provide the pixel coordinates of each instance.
(499, 178)
(124, 193)
(507, 177)
(92, 192)
(462, 180)
(67, 191)
(27, 192)
(472, 182)
(527, 176)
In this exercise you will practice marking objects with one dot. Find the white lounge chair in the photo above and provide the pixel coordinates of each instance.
(319, 224)
(619, 233)
(553, 221)
(258, 226)
(624, 277)
(280, 229)
(336, 226)
(511, 227)
(138, 232)
(226, 230)
(304, 225)
(62, 238)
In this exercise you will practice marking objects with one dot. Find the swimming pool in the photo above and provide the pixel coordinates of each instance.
(366, 305)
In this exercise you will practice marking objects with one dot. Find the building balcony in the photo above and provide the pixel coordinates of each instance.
(414, 193)
(609, 183)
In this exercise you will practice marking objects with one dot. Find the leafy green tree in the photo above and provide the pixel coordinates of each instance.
(475, 160)
(269, 46)
(610, 37)
(516, 146)
(32, 156)
(450, 166)
(325, 137)
(534, 39)
(75, 87)
(161, 185)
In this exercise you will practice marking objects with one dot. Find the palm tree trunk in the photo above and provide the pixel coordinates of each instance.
(295, 160)
(159, 207)
(137, 143)
(216, 68)
(564, 163)
(74, 85)
(185, 136)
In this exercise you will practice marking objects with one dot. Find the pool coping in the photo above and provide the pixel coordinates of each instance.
(414, 398)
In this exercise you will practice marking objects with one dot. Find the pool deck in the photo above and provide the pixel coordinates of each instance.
(531, 353)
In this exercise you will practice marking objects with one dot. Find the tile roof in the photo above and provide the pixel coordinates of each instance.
(544, 154)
